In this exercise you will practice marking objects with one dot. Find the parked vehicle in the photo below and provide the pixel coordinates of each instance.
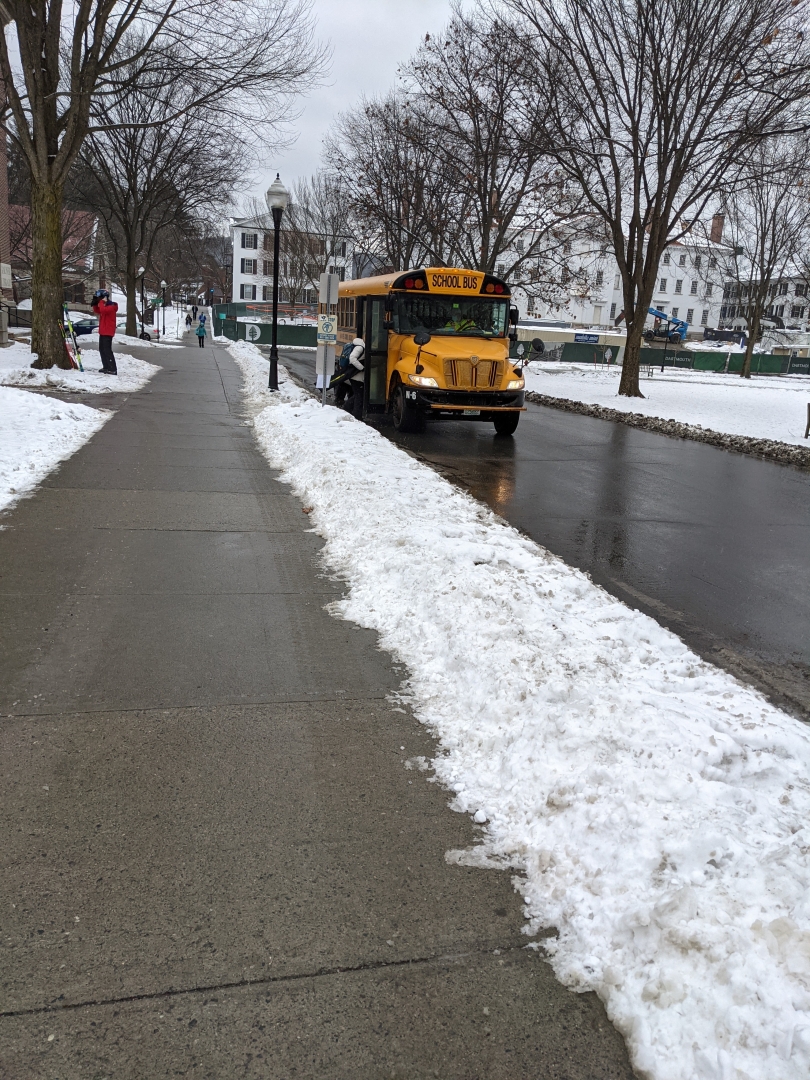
(85, 325)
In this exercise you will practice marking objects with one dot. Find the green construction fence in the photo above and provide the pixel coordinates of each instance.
(304, 337)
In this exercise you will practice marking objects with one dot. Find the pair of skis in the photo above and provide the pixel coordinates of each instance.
(71, 343)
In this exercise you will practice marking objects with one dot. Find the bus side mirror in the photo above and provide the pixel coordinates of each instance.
(538, 346)
(514, 315)
(422, 337)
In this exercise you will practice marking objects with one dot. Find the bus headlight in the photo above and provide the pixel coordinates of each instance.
(422, 380)
(515, 384)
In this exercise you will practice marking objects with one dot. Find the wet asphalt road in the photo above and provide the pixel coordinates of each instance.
(714, 545)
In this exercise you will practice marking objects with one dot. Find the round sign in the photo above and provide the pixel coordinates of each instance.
(254, 332)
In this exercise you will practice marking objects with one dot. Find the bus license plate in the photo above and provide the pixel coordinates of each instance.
(471, 412)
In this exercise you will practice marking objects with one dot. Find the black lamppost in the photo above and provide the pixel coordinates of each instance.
(142, 272)
(163, 305)
(277, 202)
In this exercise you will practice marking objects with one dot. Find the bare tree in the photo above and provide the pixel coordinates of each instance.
(448, 168)
(143, 176)
(249, 58)
(402, 205)
(647, 106)
(767, 210)
(509, 197)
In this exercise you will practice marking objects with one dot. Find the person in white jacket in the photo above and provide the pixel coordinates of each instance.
(355, 403)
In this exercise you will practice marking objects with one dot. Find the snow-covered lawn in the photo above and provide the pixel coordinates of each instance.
(36, 433)
(16, 370)
(764, 407)
(659, 809)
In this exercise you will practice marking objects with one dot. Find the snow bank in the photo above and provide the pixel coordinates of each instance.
(761, 408)
(659, 809)
(36, 433)
(16, 370)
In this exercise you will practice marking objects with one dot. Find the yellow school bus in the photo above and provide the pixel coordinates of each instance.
(437, 345)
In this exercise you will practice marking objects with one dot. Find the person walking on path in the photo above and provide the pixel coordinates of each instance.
(106, 311)
(188, 321)
(201, 334)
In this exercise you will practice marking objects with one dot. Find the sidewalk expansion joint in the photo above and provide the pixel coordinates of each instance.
(381, 696)
(264, 980)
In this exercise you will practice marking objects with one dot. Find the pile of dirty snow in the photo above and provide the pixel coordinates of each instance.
(659, 809)
(764, 407)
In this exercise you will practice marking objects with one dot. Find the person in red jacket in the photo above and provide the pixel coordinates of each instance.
(106, 311)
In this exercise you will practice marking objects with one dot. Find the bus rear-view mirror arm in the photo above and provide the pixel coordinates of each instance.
(421, 338)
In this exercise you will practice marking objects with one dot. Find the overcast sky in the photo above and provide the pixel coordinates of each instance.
(369, 38)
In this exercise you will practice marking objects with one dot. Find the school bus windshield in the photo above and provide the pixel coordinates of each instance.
(460, 315)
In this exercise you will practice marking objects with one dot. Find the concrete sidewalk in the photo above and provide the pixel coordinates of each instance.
(213, 862)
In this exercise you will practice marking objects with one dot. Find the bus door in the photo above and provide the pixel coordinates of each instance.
(376, 339)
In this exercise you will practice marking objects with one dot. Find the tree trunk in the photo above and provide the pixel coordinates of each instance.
(132, 300)
(628, 385)
(753, 331)
(46, 276)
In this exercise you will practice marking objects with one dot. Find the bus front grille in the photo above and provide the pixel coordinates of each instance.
(468, 375)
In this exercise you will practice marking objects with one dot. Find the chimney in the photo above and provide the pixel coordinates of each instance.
(716, 234)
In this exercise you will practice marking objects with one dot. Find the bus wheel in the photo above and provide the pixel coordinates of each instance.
(406, 418)
(506, 423)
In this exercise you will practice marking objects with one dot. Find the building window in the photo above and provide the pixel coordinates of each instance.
(712, 262)
(267, 292)
(780, 310)
(697, 262)
(343, 250)
(665, 258)
(600, 278)
(682, 259)
(249, 266)
(796, 312)
(704, 321)
(675, 313)
(679, 285)
(801, 290)
(693, 289)
(247, 292)
(267, 268)
(783, 288)
(709, 289)
(612, 312)
(723, 313)
(616, 282)
(250, 240)
(662, 285)
(690, 315)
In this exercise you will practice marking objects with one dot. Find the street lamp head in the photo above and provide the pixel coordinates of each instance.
(163, 284)
(141, 269)
(277, 195)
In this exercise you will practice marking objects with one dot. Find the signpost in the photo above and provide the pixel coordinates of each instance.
(327, 331)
